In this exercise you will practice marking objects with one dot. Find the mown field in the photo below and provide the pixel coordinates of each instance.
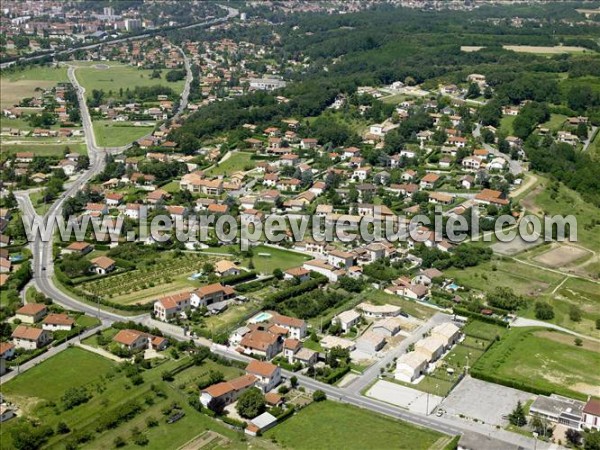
(118, 76)
(38, 392)
(237, 161)
(117, 134)
(19, 84)
(56, 150)
(332, 425)
(527, 358)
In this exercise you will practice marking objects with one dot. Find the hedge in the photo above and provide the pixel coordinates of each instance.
(234, 422)
(235, 279)
(295, 291)
(336, 375)
(481, 317)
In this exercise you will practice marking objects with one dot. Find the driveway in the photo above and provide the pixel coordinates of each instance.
(403, 396)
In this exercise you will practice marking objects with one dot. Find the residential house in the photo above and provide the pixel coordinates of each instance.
(7, 350)
(378, 311)
(29, 338)
(429, 180)
(340, 259)
(295, 327)
(209, 294)
(58, 322)
(227, 392)
(268, 375)
(168, 307)
(226, 268)
(447, 332)
(370, 342)
(591, 414)
(410, 366)
(261, 343)
(388, 327)
(31, 313)
(296, 273)
(431, 347)
(346, 319)
(78, 248)
(102, 265)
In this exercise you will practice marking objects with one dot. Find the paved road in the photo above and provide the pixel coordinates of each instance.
(522, 322)
(515, 166)
(372, 373)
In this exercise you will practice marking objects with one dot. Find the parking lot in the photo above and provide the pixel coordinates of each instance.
(403, 396)
(487, 402)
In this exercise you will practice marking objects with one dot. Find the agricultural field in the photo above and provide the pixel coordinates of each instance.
(106, 382)
(527, 357)
(541, 50)
(168, 275)
(117, 134)
(237, 161)
(332, 425)
(19, 84)
(111, 76)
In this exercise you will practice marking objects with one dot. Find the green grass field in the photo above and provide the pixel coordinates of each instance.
(555, 123)
(110, 389)
(56, 150)
(273, 258)
(594, 147)
(523, 356)
(506, 124)
(236, 162)
(19, 84)
(332, 425)
(120, 76)
(116, 134)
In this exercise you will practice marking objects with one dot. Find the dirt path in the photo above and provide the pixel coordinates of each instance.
(531, 180)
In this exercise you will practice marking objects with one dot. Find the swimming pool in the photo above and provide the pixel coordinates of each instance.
(453, 286)
(260, 317)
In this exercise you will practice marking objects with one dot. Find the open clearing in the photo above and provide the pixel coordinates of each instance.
(561, 256)
(333, 425)
(557, 49)
(524, 357)
(44, 149)
(19, 84)
(470, 48)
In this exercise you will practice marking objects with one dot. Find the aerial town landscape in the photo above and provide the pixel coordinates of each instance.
(368, 224)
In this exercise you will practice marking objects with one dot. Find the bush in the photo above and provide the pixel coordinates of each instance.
(544, 311)
(319, 396)
(119, 442)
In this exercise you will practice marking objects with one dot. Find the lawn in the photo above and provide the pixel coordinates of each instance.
(506, 124)
(110, 390)
(18, 84)
(120, 76)
(267, 259)
(555, 123)
(237, 161)
(117, 134)
(523, 356)
(73, 367)
(333, 425)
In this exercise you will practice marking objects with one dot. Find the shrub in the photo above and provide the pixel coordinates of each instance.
(319, 396)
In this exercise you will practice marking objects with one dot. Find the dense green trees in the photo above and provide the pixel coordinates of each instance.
(251, 403)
